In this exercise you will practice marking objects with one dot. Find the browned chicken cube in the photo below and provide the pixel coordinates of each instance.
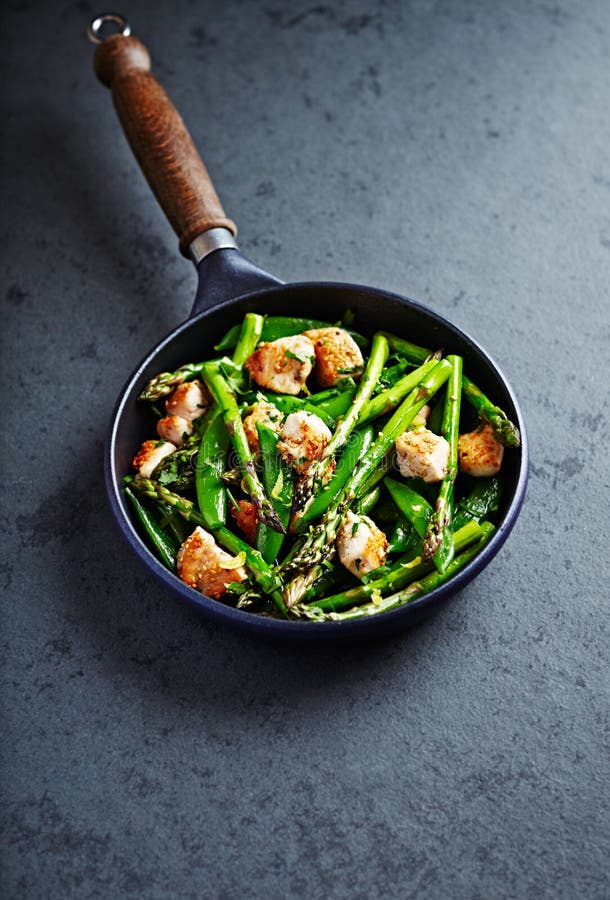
(188, 400)
(174, 429)
(422, 454)
(205, 566)
(361, 546)
(150, 455)
(303, 438)
(265, 413)
(479, 453)
(246, 517)
(284, 365)
(338, 355)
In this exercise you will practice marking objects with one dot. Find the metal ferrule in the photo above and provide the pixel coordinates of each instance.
(209, 241)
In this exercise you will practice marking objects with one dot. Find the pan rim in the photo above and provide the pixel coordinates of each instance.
(282, 628)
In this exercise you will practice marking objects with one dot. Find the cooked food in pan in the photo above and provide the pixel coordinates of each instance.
(307, 473)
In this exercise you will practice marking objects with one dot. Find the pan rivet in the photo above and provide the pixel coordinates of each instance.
(94, 31)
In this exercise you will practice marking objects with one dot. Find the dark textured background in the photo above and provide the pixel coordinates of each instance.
(458, 152)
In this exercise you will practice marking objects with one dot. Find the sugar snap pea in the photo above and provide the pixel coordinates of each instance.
(161, 541)
(209, 466)
(278, 483)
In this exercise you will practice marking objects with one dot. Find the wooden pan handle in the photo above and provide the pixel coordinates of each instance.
(160, 140)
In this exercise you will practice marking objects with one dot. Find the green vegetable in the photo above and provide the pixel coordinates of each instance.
(318, 470)
(165, 382)
(209, 466)
(357, 446)
(163, 543)
(225, 398)
(416, 588)
(438, 541)
(405, 570)
(388, 400)
(367, 502)
(278, 483)
(263, 574)
(306, 564)
(405, 538)
(250, 334)
(482, 501)
(433, 529)
(505, 431)
(412, 505)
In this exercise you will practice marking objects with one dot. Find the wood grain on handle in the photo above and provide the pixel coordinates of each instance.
(160, 140)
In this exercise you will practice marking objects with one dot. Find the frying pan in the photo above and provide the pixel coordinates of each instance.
(229, 285)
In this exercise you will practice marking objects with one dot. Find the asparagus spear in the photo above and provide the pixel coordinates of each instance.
(388, 400)
(278, 482)
(415, 589)
(438, 540)
(165, 382)
(318, 469)
(505, 431)
(356, 447)
(367, 502)
(249, 336)
(406, 569)
(261, 572)
(225, 398)
(306, 563)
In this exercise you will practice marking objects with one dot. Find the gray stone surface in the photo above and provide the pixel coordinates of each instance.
(454, 151)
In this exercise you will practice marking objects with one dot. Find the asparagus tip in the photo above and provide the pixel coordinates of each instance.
(506, 432)
(270, 518)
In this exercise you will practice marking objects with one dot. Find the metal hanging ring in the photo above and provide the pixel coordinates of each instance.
(95, 27)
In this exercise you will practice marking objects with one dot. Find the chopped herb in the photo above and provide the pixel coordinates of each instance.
(237, 587)
(290, 355)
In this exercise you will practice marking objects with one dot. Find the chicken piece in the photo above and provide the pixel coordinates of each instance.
(361, 546)
(205, 566)
(283, 365)
(246, 518)
(188, 400)
(303, 439)
(150, 455)
(265, 413)
(422, 454)
(174, 429)
(338, 355)
(479, 453)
